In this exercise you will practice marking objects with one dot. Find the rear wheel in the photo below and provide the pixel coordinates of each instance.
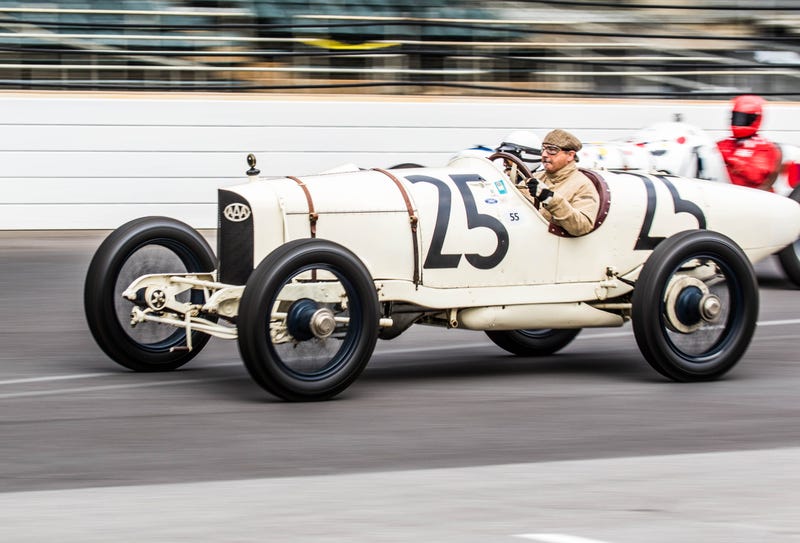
(143, 246)
(695, 306)
(308, 320)
(535, 342)
(790, 256)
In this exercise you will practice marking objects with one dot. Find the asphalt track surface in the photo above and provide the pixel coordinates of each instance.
(445, 437)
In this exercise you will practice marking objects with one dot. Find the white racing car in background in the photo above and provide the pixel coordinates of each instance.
(311, 271)
(683, 149)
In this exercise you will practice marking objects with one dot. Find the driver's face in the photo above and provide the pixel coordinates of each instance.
(553, 163)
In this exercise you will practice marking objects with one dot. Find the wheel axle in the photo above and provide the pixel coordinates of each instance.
(690, 305)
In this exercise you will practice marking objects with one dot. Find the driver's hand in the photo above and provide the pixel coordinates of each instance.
(539, 191)
(544, 196)
(533, 186)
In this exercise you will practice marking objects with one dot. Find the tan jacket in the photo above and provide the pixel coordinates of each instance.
(575, 201)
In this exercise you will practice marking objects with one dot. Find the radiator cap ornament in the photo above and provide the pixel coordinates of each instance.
(253, 172)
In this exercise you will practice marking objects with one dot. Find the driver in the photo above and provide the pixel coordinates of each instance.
(752, 160)
(563, 195)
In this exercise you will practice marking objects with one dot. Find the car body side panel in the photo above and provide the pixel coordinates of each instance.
(364, 211)
(382, 240)
(476, 230)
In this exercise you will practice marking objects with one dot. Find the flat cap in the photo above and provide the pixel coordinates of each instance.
(563, 139)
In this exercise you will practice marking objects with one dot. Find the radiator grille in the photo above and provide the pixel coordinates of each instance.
(234, 239)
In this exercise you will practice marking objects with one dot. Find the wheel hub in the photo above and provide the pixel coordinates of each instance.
(306, 319)
(322, 322)
(710, 308)
(156, 298)
(690, 305)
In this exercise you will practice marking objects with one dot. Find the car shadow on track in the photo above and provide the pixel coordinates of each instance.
(458, 368)
(617, 366)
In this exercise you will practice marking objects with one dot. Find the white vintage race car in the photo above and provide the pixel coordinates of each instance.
(311, 271)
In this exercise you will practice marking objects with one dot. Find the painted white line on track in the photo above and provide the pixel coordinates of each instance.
(47, 378)
(779, 322)
(53, 378)
(476, 345)
(111, 387)
(558, 538)
(411, 350)
(606, 335)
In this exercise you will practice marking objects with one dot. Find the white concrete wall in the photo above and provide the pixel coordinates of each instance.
(94, 161)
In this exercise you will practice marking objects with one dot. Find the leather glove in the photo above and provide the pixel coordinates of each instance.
(540, 192)
(533, 186)
(544, 196)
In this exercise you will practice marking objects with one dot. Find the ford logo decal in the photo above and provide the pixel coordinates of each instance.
(236, 212)
(490, 200)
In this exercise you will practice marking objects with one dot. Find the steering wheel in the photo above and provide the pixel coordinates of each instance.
(515, 166)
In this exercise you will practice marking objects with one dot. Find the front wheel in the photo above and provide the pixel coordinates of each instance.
(790, 256)
(695, 306)
(139, 247)
(308, 320)
(534, 342)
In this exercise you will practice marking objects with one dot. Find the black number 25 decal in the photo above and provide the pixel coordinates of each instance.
(645, 240)
(435, 257)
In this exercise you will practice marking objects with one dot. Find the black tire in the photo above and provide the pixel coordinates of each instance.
(406, 166)
(790, 256)
(691, 277)
(534, 342)
(142, 246)
(299, 365)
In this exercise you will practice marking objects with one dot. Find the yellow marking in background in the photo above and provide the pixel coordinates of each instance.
(338, 45)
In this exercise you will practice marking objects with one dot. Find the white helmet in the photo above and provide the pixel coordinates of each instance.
(523, 141)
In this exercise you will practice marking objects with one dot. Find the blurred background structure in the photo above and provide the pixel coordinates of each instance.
(619, 48)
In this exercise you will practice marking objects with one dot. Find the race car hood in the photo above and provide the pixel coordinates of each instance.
(760, 222)
(367, 207)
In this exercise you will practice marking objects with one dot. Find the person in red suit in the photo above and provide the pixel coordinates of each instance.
(752, 160)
